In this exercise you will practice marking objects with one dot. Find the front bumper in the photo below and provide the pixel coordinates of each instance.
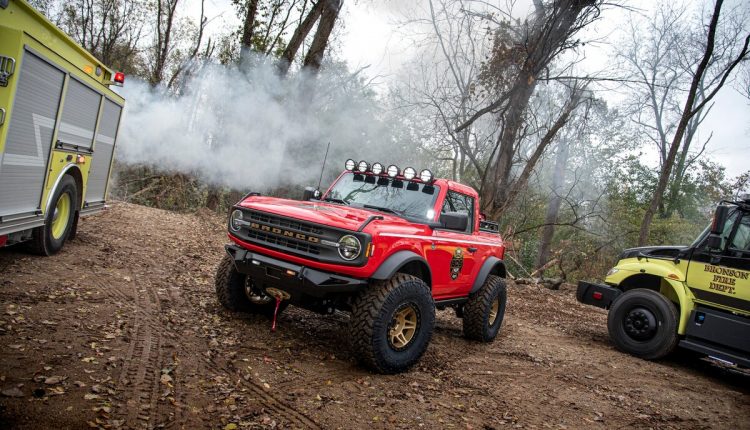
(302, 283)
(599, 295)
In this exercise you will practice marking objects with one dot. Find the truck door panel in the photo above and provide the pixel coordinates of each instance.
(23, 164)
(723, 278)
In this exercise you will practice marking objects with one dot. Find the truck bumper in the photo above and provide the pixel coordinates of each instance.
(302, 283)
(598, 295)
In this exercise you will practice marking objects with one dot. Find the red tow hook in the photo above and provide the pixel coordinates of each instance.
(279, 296)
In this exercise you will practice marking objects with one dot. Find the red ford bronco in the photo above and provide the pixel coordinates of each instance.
(387, 245)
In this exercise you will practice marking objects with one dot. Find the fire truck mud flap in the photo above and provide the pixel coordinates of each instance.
(295, 279)
(598, 295)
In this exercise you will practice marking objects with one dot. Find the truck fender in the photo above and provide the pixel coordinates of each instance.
(397, 261)
(678, 290)
(491, 266)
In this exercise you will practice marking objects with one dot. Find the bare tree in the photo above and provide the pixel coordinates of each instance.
(691, 108)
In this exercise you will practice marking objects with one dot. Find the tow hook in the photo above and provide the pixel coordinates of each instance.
(279, 295)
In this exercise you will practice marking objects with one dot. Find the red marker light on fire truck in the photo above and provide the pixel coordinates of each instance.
(597, 295)
(119, 78)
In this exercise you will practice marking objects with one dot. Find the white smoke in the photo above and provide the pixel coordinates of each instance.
(253, 129)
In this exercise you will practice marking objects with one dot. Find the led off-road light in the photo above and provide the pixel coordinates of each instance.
(393, 171)
(409, 173)
(425, 175)
(349, 165)
(377, 168)
(362, 167)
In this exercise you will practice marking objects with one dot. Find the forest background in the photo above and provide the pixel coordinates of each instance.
(576, 162)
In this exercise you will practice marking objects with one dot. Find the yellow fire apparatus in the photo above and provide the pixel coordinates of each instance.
(58, 128)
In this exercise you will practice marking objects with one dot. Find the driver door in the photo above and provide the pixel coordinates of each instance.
(723, 277)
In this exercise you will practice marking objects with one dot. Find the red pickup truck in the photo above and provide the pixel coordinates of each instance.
(388, 245)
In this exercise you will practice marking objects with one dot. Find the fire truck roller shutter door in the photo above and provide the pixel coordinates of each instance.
(103, 152)
(23, 164)
(79, 115)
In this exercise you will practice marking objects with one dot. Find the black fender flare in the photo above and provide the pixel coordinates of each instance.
(396, 261)
(492, 265)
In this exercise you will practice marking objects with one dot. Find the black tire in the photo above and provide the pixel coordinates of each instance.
(374, 312)
(479, 323)
(231, 290)
(44, 241)
(643, 323)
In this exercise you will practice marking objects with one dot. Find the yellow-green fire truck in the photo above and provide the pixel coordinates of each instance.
(696, 297)
(58, 128)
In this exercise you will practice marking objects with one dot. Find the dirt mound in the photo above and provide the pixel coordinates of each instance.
(122, 330)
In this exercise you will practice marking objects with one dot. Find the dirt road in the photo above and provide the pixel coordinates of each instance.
(122, 330)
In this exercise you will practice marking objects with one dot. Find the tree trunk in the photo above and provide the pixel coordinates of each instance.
(328, 17)
(687, 113)
(300, 33)
(553, 208)
(247, 28)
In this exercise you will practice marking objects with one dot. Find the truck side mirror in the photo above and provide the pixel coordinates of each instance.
(310, 193)
(713, 242)
(454, 221)
(720, 218)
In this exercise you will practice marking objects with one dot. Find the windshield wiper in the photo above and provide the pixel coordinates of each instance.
(382, 209)
(335, 200)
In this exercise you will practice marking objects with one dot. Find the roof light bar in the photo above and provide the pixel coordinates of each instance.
(376, 168)
(409, 173)
(393, 171)
(363, 167)
(350, 164)
(425, 176)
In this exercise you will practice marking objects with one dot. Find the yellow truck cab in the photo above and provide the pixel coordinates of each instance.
(58, 128)
(697, 296)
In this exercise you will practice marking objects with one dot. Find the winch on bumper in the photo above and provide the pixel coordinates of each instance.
(302, 283)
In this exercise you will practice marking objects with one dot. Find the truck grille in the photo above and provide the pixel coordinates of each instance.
(283, 242)
(284, 223)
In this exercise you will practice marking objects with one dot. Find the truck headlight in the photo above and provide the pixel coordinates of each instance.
(349, 247)
(612, 271)
(234, 220)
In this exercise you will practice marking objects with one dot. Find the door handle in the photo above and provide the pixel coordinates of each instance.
(472, 250)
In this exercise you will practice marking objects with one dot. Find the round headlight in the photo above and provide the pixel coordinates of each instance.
(363, 166)
(425, 175)
(409, 173)
(349, 165)
(349, 247)
(392, 171)
(234, 218)
(377, 168)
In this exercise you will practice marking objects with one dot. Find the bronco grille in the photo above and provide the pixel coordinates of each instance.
(273, 239)
(284, 223)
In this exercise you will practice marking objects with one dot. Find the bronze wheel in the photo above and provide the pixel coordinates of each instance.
(404, 325)
(493, 311)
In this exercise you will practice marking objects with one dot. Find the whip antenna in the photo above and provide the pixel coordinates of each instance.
(323, 168)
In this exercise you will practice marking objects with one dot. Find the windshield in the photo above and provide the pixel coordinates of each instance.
(726, 231)
(408, 199)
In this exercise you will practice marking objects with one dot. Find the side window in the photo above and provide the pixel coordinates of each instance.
(740, 243)
(457, 202)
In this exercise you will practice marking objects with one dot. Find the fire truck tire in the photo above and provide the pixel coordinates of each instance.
(483, 313)
(643, 323)
(392, 323)
(58, 222)
(232, 294)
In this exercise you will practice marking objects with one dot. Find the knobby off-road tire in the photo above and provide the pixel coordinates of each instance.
(643, 323)
(232, 294)
(58, 221)
(401, 306)
(484, 312)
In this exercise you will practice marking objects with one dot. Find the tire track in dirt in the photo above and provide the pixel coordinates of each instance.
(139, 379)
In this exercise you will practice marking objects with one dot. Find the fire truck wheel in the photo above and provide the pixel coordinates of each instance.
(643, 323)
(484, 312)
(236, 293)
(49, 238)
(392, 323)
